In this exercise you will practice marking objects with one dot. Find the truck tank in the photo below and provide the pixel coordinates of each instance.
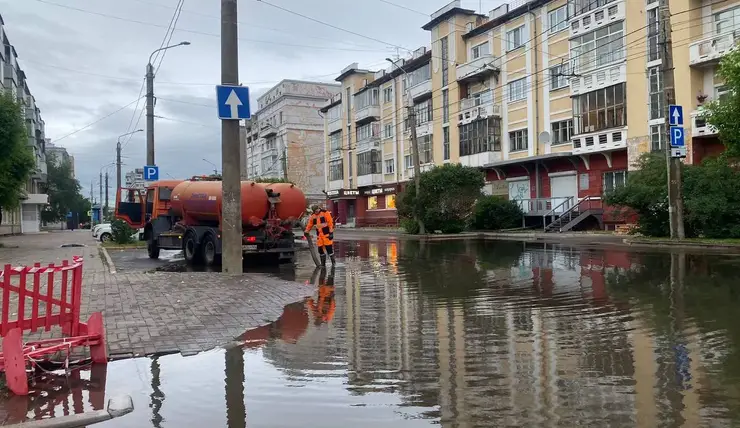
(199, 202)
(292, 200)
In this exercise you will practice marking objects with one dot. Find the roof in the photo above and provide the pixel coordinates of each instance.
(528, 159)
(346, 73)
(408, 66)
(497, 21)
(450, 12)
(326, 108)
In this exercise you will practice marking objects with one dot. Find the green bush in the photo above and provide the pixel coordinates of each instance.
(121, 232)
(495, 213)
(410, 225)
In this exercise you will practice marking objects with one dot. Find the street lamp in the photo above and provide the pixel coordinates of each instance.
(150, 103)
(215, 168)
(118, 157)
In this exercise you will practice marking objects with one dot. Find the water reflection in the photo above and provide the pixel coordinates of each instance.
(466, 333)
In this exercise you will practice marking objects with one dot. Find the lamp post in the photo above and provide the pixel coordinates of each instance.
(414, 146)
(150, 103)
(215, 168)
(118, 157)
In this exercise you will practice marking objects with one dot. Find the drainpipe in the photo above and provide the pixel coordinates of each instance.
(538, 192)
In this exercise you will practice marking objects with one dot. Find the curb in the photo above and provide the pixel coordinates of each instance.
(108, 260)
(683, 245)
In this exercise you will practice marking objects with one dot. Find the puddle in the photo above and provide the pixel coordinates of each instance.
(72, 245)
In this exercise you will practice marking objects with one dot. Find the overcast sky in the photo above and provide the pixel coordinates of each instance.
(87, 59)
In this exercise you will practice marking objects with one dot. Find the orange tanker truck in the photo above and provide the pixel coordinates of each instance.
(186, 215)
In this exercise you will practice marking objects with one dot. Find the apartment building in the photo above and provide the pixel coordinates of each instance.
(535, 95)
(285, 138)
(60, 154)
(27, 218)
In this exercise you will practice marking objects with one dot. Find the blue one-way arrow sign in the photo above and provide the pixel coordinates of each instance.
(233, 102)
(677, 136)
(675, 115)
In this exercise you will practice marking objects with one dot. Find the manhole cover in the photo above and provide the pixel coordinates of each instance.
(72, 245)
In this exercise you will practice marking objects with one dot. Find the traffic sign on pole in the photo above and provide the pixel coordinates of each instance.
(675, 115)
(151, 173)
(677, 136)
(678, 152)
(233, 102)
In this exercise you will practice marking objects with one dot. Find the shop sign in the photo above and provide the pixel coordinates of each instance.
(339, 193)
(380, 191)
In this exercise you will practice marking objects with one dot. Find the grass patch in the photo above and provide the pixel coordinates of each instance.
(115, 246)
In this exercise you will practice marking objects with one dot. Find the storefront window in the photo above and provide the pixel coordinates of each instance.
(372, 203)
(390, 201)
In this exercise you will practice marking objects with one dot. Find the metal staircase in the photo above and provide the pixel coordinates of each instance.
(567, 215)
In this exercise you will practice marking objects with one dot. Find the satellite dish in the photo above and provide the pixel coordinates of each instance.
(544, 137)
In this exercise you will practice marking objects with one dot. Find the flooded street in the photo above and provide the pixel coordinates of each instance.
(457, 334)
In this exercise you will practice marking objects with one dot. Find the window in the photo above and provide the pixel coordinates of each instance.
(423, 112)
(517, 92)
(281, 117)
(721, 92)
(598, 48)
(600, 109)
(425, 149)
(369, 163)
(445, 61)
(334, 113)
(408, 161)
(562, 131)
(656, 93)
(518, 140)
(366, 98)
(582, 6)
(515, 38)
(446, 143)
(558, 19)
(365, 132)
(657, 137)
(388, 94)
(336, 170)
(653, 17)
(614, 180)
(480, 136)
(348, 101)
(372, 203)
(445, 106)
(388, 130)
(558, 77)
(335, 141)
(726, 21)
(420, 75)
(390, 166)
(480, 50)
(390, 202)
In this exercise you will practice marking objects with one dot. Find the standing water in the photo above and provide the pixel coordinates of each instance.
(458, 334)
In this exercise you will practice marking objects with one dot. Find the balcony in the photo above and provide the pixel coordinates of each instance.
(334, 125)
(369, 180)
(422, 130)
(423, 88)
(367, 114)
(267, 130)
(480, 160)
(479, 106)
(268, 153)
(35, 199)
(478, 69)
(335, 154)
(700, 127)
(336, 184)
(601, 141)
(424, 168)
(710, 51)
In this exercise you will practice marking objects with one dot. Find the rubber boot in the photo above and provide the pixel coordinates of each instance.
(323, 260)
(333, 260)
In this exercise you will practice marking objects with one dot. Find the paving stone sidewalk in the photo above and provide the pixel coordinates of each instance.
(153, 313)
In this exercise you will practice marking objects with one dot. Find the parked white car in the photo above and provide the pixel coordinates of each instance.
(104, 232)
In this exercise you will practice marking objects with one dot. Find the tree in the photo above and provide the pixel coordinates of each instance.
(496, 213)
(724, 114)
(17, 160)
(446, 198)
(62, 188)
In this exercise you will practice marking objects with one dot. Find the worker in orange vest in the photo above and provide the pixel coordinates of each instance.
(323, 309)
(323, 222)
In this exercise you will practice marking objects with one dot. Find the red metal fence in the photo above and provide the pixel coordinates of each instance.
(42, 298)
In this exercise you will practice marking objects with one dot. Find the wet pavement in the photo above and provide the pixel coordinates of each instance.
(457, 334)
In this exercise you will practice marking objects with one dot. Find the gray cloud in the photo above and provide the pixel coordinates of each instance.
(53, 40)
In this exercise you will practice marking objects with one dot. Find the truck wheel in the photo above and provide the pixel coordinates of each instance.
(209, 250)
(152, 248)
(191, 249)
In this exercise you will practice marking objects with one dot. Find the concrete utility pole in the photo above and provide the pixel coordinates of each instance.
(150, 103)
(118, 166)
(285, 164)
(101, 194)
(231, 214)
(675, 194)
(414, 145)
